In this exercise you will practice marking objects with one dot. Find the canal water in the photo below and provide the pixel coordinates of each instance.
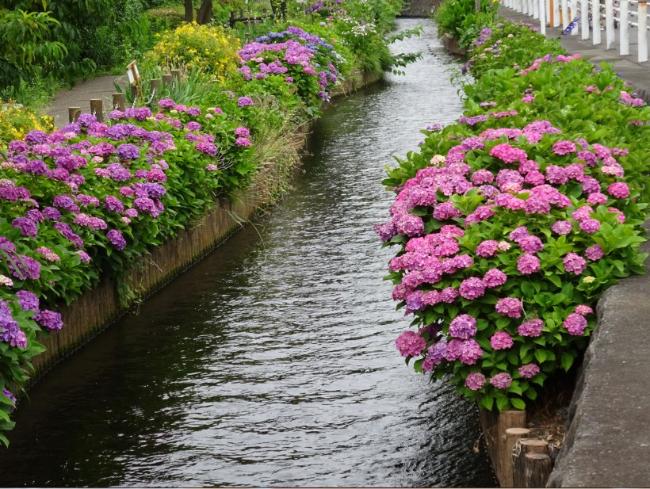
(272, 362)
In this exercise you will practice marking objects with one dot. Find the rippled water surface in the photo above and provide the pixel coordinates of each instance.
(272, 362)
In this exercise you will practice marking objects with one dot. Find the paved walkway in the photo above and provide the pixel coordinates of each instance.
(79, 96)
(638, 74)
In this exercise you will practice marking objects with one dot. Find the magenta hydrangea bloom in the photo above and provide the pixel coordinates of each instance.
(487, 248)
(528, 264)
(472, 288)
(494, 278)
(564, 148)
(410, 344)
(561, 227)
(508, 154)
(463, 327)
(575, 324)
(590, 226)
(475, 381)
(435, 356)
(530, 244)
(584, 310)
(470, 352)
(574, 263)
(510, 307)
(501, 381)
(529, 370)
(49, 320)
(594, 253)
(501, 341)
(619, 190)
(531, 328)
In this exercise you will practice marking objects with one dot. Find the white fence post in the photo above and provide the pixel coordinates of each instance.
(541, 8)
(531, 7)
(624, 28)
(595, 21)
(565, 14)
(642, 31)
(535, 9)
(584, 18)
(609, 24)
(556, 13)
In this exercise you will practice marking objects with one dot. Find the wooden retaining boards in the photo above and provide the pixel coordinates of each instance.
(97, 308)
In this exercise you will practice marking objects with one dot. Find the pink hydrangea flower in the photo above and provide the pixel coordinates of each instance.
(619, 190)
(501, 341)
(501, 381)
(472, 288)
(564, 148)
(475, 381)
(574, 263)
(463, 327)
(561, 227)
(531, 328)
(410, 344)
(494, 278)
(575, 324)
(584, 310)
(508, 154)
(510, 307)
(528, 264)
(594, 253)
(530, 244)
(487, 248)
(590, 226)
(529, 370)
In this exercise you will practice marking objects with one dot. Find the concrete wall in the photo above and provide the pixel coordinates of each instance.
(608, 438)
(419, 8)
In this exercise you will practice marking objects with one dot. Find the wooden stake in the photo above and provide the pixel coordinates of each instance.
(507, 419)
(119, 101)
(97, 108)
(167, 79)
(176, 75)
(73, 113)
(523, 448)
(512, 436)
(537, 469)
(156, 83)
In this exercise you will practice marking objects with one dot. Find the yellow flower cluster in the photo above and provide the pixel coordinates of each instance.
(208, 48)
(16, 121)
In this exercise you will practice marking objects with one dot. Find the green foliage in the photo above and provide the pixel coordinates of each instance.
(459, 18)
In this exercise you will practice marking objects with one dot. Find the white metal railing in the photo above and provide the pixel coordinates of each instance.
(616, 17)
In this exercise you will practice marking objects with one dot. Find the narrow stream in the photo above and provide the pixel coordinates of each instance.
(272, 362)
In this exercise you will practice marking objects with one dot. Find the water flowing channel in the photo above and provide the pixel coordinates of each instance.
(272, 362)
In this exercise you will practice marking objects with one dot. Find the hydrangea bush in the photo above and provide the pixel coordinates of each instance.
(505, 241)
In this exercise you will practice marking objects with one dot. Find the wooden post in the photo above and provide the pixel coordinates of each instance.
(97, 108)
(521, 467)
(584, 19)
(513, 435)
(551, 13)
(119, 101)
(609, 24)
(556, 13)
(167, 79)
(538, 468)
(595, 21)
(73, 113)
(507, 419)
(642, 33)
(156, 83)
(624, 28)
(176, 76)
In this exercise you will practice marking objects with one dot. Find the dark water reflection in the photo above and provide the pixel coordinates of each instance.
(272, 362)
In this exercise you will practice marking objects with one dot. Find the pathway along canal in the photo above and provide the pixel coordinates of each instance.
(273, 361)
